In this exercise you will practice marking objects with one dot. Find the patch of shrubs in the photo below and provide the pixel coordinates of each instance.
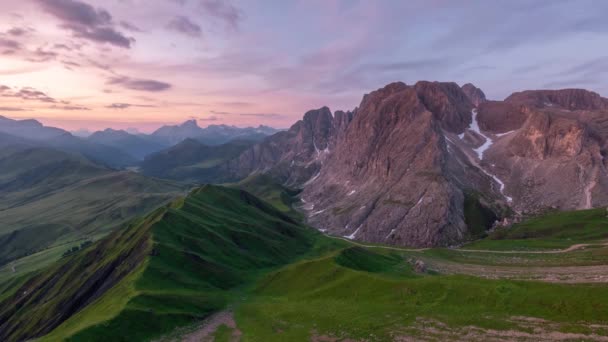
(75, 249)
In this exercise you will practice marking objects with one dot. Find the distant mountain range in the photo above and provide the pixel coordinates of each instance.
(33, 133)
(138, 146)
(210, 135)
(120, 148)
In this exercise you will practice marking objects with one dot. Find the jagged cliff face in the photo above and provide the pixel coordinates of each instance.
(553, 154)
(410, 162)
(570, 99)
(397, 177)
(296, 155)
(475, 95)
(386, 175)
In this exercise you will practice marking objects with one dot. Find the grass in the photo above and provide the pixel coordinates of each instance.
(324, 298)
(582, 257)
(266, 188)
(223, 334)
(556, 230)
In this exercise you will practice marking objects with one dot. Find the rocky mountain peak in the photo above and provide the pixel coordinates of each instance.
(189, 124)
(383, 92)
(571, 99)
(448, 103)
(475, 95)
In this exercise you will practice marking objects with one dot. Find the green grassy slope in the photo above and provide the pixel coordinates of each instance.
(198, 255)
(323, 298)
(265, 187)
(551, 231)
(50, 198)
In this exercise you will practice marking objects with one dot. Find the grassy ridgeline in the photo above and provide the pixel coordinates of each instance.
(196, 256)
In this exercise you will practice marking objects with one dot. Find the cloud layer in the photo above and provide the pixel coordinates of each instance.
(131, 62)
(86, 21)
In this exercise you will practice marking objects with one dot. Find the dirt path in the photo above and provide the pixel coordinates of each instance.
(208, 328)
(557, 251)
(555, 274)
(565, 250)
(552, 274)
(372, 246)
(526, 329)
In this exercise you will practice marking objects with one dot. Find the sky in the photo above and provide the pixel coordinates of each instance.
(143, 63)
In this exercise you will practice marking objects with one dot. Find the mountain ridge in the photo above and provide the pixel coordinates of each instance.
(473, 143)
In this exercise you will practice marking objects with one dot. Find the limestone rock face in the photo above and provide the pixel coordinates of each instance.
(475, 95)
(387, 180)
(295, 155)
(570, 99)
(417, 165)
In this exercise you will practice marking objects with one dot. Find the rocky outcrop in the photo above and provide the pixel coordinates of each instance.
(475, 95)
(571, 99)
(447, 102)
(501, 117)
(296, 155)
(555, 160)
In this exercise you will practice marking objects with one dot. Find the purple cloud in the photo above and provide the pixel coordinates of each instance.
(26, 93)
(130, 27)
(11, 109)
(40, 55)
(209, 118)
(267, 115)
(17, 31)
(185, 26)
(87, 22)
(139, 84)
(70, 107)
(10, 44)
(224, 11)
(127, 105)
(104, 35)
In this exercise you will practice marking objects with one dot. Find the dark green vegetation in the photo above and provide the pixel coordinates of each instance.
(556, 230)
(265, 187)
(478, 217)
(77, 248)
(190, 160)
(170, 269)
(51, 198)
